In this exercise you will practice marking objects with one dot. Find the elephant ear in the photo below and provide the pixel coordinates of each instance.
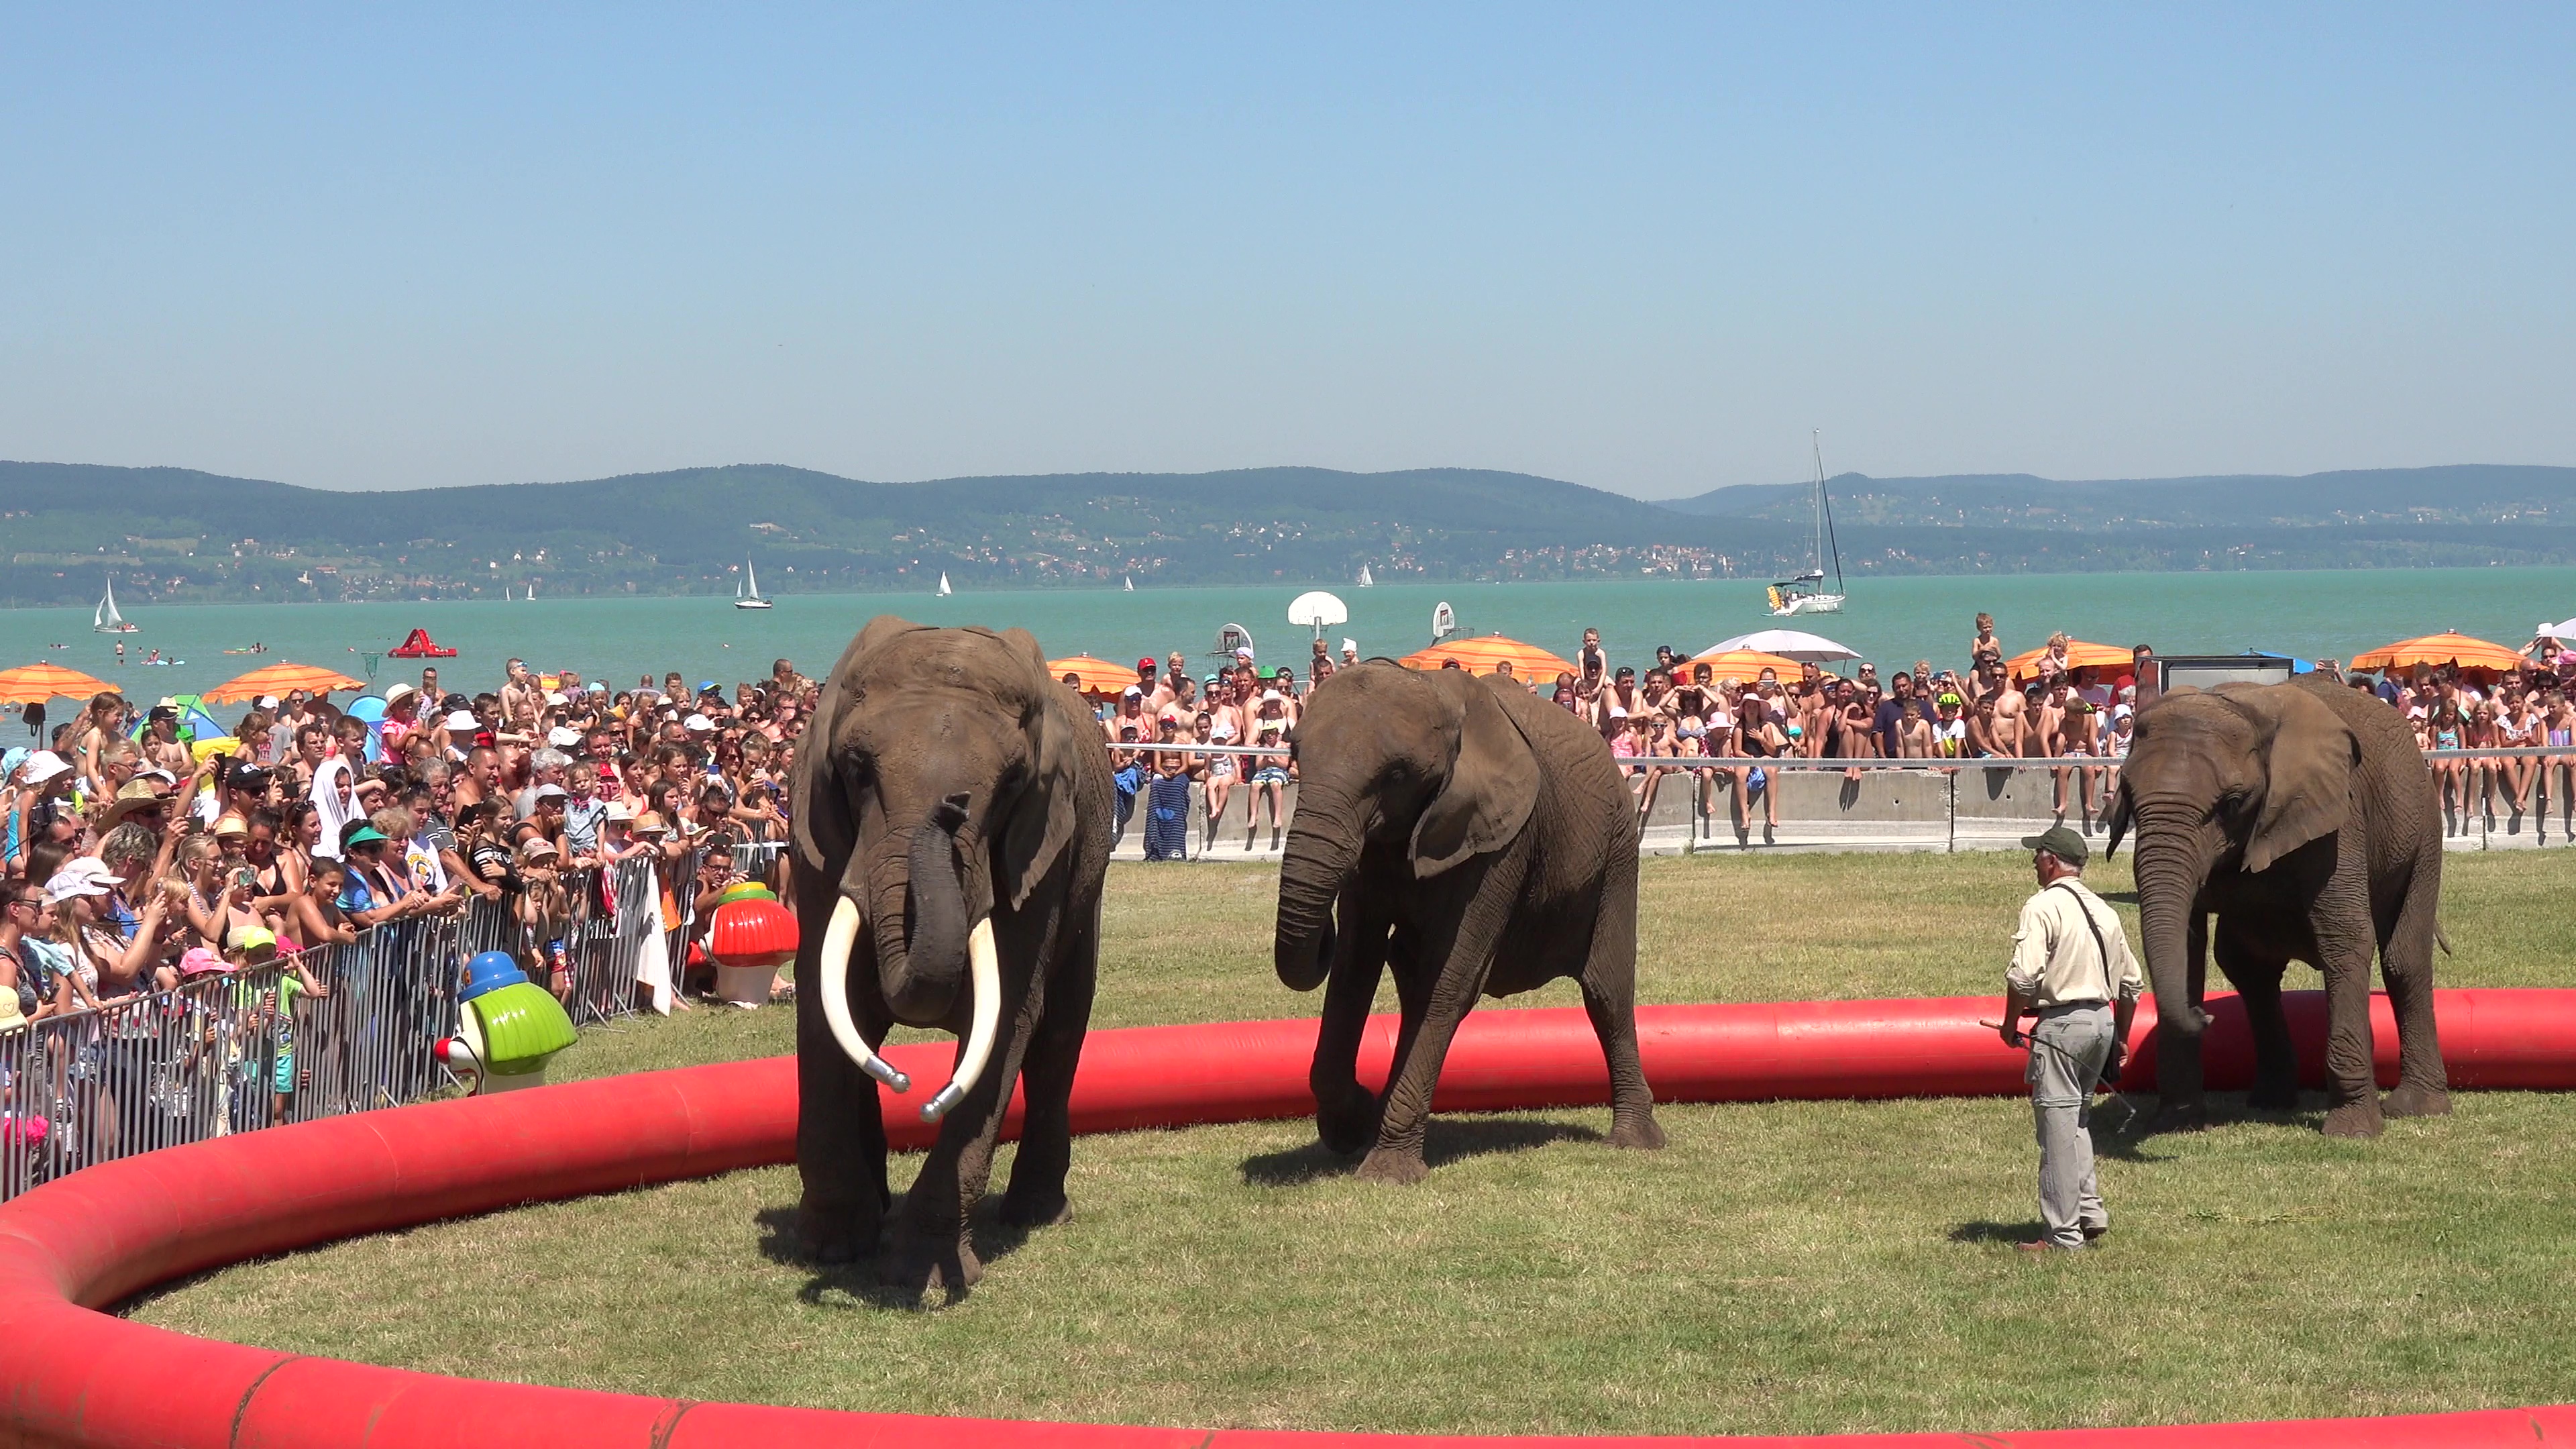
(1493, 781)
(1042, 818)
(823, 828)
(2307, 755)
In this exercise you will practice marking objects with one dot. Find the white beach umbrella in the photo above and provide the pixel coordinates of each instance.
(1788, 644)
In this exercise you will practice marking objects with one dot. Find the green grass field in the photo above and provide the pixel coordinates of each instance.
(1791, 1267)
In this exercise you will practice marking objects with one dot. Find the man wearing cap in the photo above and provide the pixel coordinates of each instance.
(2073, 969)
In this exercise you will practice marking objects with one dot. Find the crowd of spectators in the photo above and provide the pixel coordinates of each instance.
(133, 859)
(1169, 730)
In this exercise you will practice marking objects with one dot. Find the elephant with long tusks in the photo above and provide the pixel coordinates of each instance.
(952, 811)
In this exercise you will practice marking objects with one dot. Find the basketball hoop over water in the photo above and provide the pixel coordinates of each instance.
(1319, 610)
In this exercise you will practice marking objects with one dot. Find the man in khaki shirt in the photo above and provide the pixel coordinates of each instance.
(2073, 969)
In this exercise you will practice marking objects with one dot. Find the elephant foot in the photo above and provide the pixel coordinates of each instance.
(835, 1233)
(2354, 1119)
(1350, 1126)
(933, 1267)
(2179, 1117)
(2273, 1097)
(1384, 1164)
(1035, 1210)
(1640, 1132)
(2416, 1102)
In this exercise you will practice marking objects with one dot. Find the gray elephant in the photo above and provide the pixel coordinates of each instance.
(952, 808)
(1474, 842)
(2303, 816)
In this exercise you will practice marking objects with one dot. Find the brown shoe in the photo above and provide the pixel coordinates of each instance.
(2093, 1232)
(2045, 1246)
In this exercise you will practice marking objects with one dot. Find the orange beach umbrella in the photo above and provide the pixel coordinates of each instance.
(1746, 664)
(280, 679)
(1100, 677)
(1480, 655)
(2459, 649)
(37, 683)
(2079, 655)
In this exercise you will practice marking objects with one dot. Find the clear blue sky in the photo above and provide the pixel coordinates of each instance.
(1645, 249)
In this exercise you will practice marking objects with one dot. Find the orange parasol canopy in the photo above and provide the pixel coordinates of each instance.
(2079, 655)
(37, 683)
(1745, 664)
(279, 679)
(1480, 655)
(1100, 677)
(2454, 648)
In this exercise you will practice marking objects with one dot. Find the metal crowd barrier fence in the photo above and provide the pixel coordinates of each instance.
(2473, 790)
(249, 1049)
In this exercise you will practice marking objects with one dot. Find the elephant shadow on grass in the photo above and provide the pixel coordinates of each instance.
(1444, 1140)
(779, 1243)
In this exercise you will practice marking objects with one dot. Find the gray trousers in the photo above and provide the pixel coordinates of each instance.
(2067, 1051)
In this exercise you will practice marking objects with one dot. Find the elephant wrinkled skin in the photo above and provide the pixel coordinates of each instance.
(1473, 842)
(2303, 816)
(952, 809)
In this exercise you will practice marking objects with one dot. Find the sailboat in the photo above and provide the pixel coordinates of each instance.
(106, 620)
(1806, 594)
(1365, 580)
(746, 595)
(944, 590)
(1130, 586)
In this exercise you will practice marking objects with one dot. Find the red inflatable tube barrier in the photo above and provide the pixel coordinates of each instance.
(91, 1239)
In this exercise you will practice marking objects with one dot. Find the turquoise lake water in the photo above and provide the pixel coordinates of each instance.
(2335, 614)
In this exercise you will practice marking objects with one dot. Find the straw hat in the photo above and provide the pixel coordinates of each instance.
(135, 795)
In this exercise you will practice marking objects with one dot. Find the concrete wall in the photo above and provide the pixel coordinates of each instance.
(1821, 810)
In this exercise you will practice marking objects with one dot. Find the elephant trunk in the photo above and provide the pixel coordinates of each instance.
(1323, 850)
(2173, 861)
(921, 976)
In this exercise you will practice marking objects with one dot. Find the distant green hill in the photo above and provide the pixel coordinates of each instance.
(177, 533)
(2474, 493)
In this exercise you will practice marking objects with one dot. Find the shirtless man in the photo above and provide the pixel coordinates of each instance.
(2011, 722)
(480, 780)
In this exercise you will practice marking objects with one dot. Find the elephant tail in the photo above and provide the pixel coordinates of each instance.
(2442, 940)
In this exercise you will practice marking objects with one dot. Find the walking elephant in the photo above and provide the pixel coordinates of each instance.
(2304, 817)
(1473, 841)
(952, 830)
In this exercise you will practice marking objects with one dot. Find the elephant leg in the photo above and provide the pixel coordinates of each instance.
(1455, 958)
(2345, 945)
(1036, 1196)
(2406, 963)
(840, 1140)
(1610, 999)
(1346, 1113)
(2256, 976)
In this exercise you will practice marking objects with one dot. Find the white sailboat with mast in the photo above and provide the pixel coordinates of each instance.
(105, 619)
(1806, 594)
(747, 593)
(944, 590)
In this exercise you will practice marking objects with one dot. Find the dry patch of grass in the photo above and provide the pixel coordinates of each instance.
(1789, 1267)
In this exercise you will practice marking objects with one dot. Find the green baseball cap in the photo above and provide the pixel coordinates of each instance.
(2060, 841)
(370, 835)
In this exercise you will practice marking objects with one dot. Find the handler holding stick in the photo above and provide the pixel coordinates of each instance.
(2073, 969)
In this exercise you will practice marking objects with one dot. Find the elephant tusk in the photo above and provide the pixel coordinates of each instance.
(984, 972)
(839, 939)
